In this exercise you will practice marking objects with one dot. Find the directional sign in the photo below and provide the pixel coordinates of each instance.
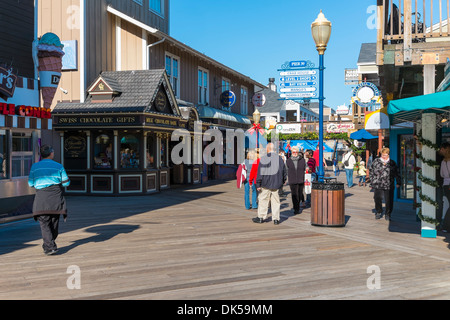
(299, 95)
(298, 84)
(301, 78)
(298, 73)
(306, 89)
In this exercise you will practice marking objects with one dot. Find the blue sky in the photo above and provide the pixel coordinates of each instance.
(255, 37)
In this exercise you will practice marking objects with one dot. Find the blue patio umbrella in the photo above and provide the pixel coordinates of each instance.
(362, 135)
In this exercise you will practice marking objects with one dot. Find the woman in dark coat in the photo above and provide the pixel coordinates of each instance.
(296, 177)
(383, 173)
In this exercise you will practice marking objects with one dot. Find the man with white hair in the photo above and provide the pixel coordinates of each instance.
(270, 177)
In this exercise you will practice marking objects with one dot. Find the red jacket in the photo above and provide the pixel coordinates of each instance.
(253, 172)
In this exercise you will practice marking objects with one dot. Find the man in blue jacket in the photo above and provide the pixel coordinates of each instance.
(270, 177)
(48, 178)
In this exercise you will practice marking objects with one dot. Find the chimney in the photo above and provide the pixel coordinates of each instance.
(272, 86)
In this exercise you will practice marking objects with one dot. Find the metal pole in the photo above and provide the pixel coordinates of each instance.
(321, 98)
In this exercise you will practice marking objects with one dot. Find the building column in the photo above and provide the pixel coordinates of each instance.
(88, 151)
(429, 133)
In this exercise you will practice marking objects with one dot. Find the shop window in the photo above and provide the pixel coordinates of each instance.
(163, 152)
(151, 146)
(244, 100)
(3, 155)
(157, 6)
(75, 151)
(103, 151)
(22, 154)
(203, 86)
(129, 151)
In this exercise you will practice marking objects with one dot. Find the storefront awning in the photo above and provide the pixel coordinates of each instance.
(411, 109)
(213, 113)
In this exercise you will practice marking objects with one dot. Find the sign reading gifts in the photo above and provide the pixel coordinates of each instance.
(24, 111)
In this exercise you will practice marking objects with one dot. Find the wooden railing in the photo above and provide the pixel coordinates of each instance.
(414, 20)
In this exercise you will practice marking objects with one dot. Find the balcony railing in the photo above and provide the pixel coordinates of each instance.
(414, 21)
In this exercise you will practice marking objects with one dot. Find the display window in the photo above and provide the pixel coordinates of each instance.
(22, 154)
(103, 150)
(129, 151)
(3, 155)
(151, 147)
(163, 152)
(75, 151)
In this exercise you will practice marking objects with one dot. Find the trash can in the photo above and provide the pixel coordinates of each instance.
(328, 204)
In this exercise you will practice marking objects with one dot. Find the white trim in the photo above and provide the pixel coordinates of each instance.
(118, 44)
(131, 20)
(145, 64)
(96, 83)
(82, 51)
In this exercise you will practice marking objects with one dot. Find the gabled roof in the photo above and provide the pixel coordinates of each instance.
(368, 53)
(135, 92)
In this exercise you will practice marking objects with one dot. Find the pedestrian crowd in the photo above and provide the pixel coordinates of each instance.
(264, 177)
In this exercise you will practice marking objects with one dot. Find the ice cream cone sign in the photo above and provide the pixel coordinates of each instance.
(50, 53)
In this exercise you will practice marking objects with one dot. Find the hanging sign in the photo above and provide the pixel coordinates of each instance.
(7, 82)
(227, 100)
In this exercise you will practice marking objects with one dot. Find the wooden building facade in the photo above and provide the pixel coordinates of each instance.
(117, 36)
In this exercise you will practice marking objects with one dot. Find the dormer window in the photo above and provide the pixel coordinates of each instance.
(102, 91)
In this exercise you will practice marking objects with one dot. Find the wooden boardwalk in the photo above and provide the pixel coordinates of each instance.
(200, 243)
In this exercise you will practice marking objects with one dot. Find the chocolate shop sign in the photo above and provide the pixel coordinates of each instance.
(97, 121)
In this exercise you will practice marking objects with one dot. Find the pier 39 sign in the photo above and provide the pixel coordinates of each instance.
(366, 94)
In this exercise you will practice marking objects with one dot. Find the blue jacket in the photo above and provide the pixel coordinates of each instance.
(47, 173)
(271, 172)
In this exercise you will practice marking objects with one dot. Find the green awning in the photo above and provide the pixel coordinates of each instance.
(411, 109)
(213, 113)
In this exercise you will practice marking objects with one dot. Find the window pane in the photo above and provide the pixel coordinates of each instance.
(150, 152)
(200, 78)
(175, 68)
(129, 151)
(163, 152)
(3, 157)
(17, 166)
(168, 65)
(103, 151)
(75, 150)
(156, 5)
(27, 163)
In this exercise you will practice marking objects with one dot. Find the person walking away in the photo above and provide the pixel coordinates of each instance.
(349, 165)
(445, 174)
(270, 177)
(383, 173)
(252, 180)
(296, 166)
(362, 172)
(48, 177)
(336, 167)
(283, 156)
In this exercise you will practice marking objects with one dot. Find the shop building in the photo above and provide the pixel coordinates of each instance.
(118, 142)
(22, 120)
(127, 35)
(412, 50)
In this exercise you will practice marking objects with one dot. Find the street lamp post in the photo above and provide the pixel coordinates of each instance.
(321, 31)
(256, 119)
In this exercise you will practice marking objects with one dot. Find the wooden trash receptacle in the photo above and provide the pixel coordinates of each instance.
(328, 204)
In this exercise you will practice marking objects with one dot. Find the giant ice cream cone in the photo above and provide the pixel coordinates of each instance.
(50, 65)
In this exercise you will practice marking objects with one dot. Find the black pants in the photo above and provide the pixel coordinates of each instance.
(297, 195)
(388, 196)
(49, 228)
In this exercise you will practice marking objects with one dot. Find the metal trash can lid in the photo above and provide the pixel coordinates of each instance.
(329, 185)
